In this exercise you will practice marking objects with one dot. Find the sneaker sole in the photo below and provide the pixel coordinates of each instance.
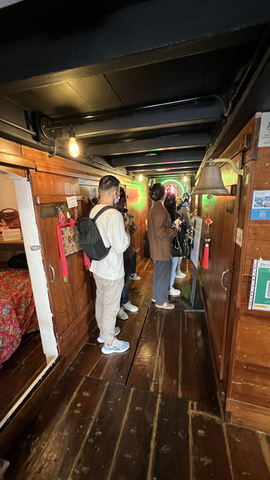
(175, 294)
(100, 341)
(110, 353)
(122, 319)
(165, 308)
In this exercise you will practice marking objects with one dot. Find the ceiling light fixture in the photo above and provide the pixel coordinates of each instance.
(73, 145)
(141, 177)
(185, 179)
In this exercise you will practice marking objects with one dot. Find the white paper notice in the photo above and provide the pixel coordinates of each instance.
(264, 138)
(12, 234)
(239, 236)
(72, 202)
(194, 254)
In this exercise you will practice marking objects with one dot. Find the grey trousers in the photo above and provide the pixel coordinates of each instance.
(161, 281)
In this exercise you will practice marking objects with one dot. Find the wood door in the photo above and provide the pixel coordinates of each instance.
(222, 231)
(72, 302)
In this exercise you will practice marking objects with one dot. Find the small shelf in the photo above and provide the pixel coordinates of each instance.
(16, 245)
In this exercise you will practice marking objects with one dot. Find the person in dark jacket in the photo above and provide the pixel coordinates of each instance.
(125, 304)
(160, 234)
(183, 212)
(170, 205)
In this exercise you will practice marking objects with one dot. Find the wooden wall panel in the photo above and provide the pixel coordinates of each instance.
(11, 148)
(248, 387)
(249, 415)
(253, 342)
(259, 248)
(251, 384)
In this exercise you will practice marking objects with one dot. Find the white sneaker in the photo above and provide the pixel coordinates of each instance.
(118, 346)
(180, 275)
(122, 315)
(134, 276)
(153, 300)
(167, 306)
(173, 292)
(101, 338)
(129, 307)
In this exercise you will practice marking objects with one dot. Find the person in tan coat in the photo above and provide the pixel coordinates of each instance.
(160, 233)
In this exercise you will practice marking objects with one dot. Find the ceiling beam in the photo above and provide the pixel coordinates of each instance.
(188, 140)
(176, 166)
(173, 175)
(107, 37)
(169, 174)
(166, 156)
(182, 114)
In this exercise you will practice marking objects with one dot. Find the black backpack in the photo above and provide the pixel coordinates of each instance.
(90, 238)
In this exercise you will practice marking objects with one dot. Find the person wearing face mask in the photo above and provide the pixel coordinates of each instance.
(109, 272)
(160, 233)
(126, 305)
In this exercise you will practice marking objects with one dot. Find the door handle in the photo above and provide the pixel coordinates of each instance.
(53, 273)
(222, 278)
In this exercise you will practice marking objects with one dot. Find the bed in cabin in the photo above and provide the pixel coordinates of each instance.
(17, 310)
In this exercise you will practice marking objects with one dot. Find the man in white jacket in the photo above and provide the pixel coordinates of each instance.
(109, 272)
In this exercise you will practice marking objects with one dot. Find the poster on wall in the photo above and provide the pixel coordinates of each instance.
(260, 286)
(195, 250)
(260, 209)
(264, 137)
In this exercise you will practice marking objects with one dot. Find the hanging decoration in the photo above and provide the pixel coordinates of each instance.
(207, 238)
(68, 242)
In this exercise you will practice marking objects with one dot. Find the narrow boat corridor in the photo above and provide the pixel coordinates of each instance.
(150, 414)
(135, 240)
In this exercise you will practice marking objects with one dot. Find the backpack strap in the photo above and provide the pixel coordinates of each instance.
(101, 211)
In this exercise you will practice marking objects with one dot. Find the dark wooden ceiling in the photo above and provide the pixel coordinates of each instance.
(120, 109)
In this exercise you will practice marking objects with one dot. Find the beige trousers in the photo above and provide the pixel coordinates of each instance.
(107, 305)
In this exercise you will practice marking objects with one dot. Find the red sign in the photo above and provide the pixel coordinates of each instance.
(171, 188)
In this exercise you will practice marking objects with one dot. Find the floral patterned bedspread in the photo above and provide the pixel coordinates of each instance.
(17, 310)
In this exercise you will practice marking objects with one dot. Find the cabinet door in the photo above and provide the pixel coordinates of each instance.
(72, 302)
(217, 280)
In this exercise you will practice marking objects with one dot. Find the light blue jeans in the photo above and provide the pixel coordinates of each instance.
(173, 270)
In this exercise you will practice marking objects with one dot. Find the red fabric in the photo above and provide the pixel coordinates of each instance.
(87, 262)
(63, 258)
(17, 310)
(206, 256)
(64, 266)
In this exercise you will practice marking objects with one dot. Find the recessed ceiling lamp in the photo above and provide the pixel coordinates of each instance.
(185, 179)
(141, 177)
(73, 145)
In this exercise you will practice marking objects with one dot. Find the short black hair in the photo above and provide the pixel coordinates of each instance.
(170, 202)
(107, 182)
(122, 193)
(157, 192)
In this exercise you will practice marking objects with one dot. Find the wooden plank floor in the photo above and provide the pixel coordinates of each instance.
(20, 370)
(151, 414)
